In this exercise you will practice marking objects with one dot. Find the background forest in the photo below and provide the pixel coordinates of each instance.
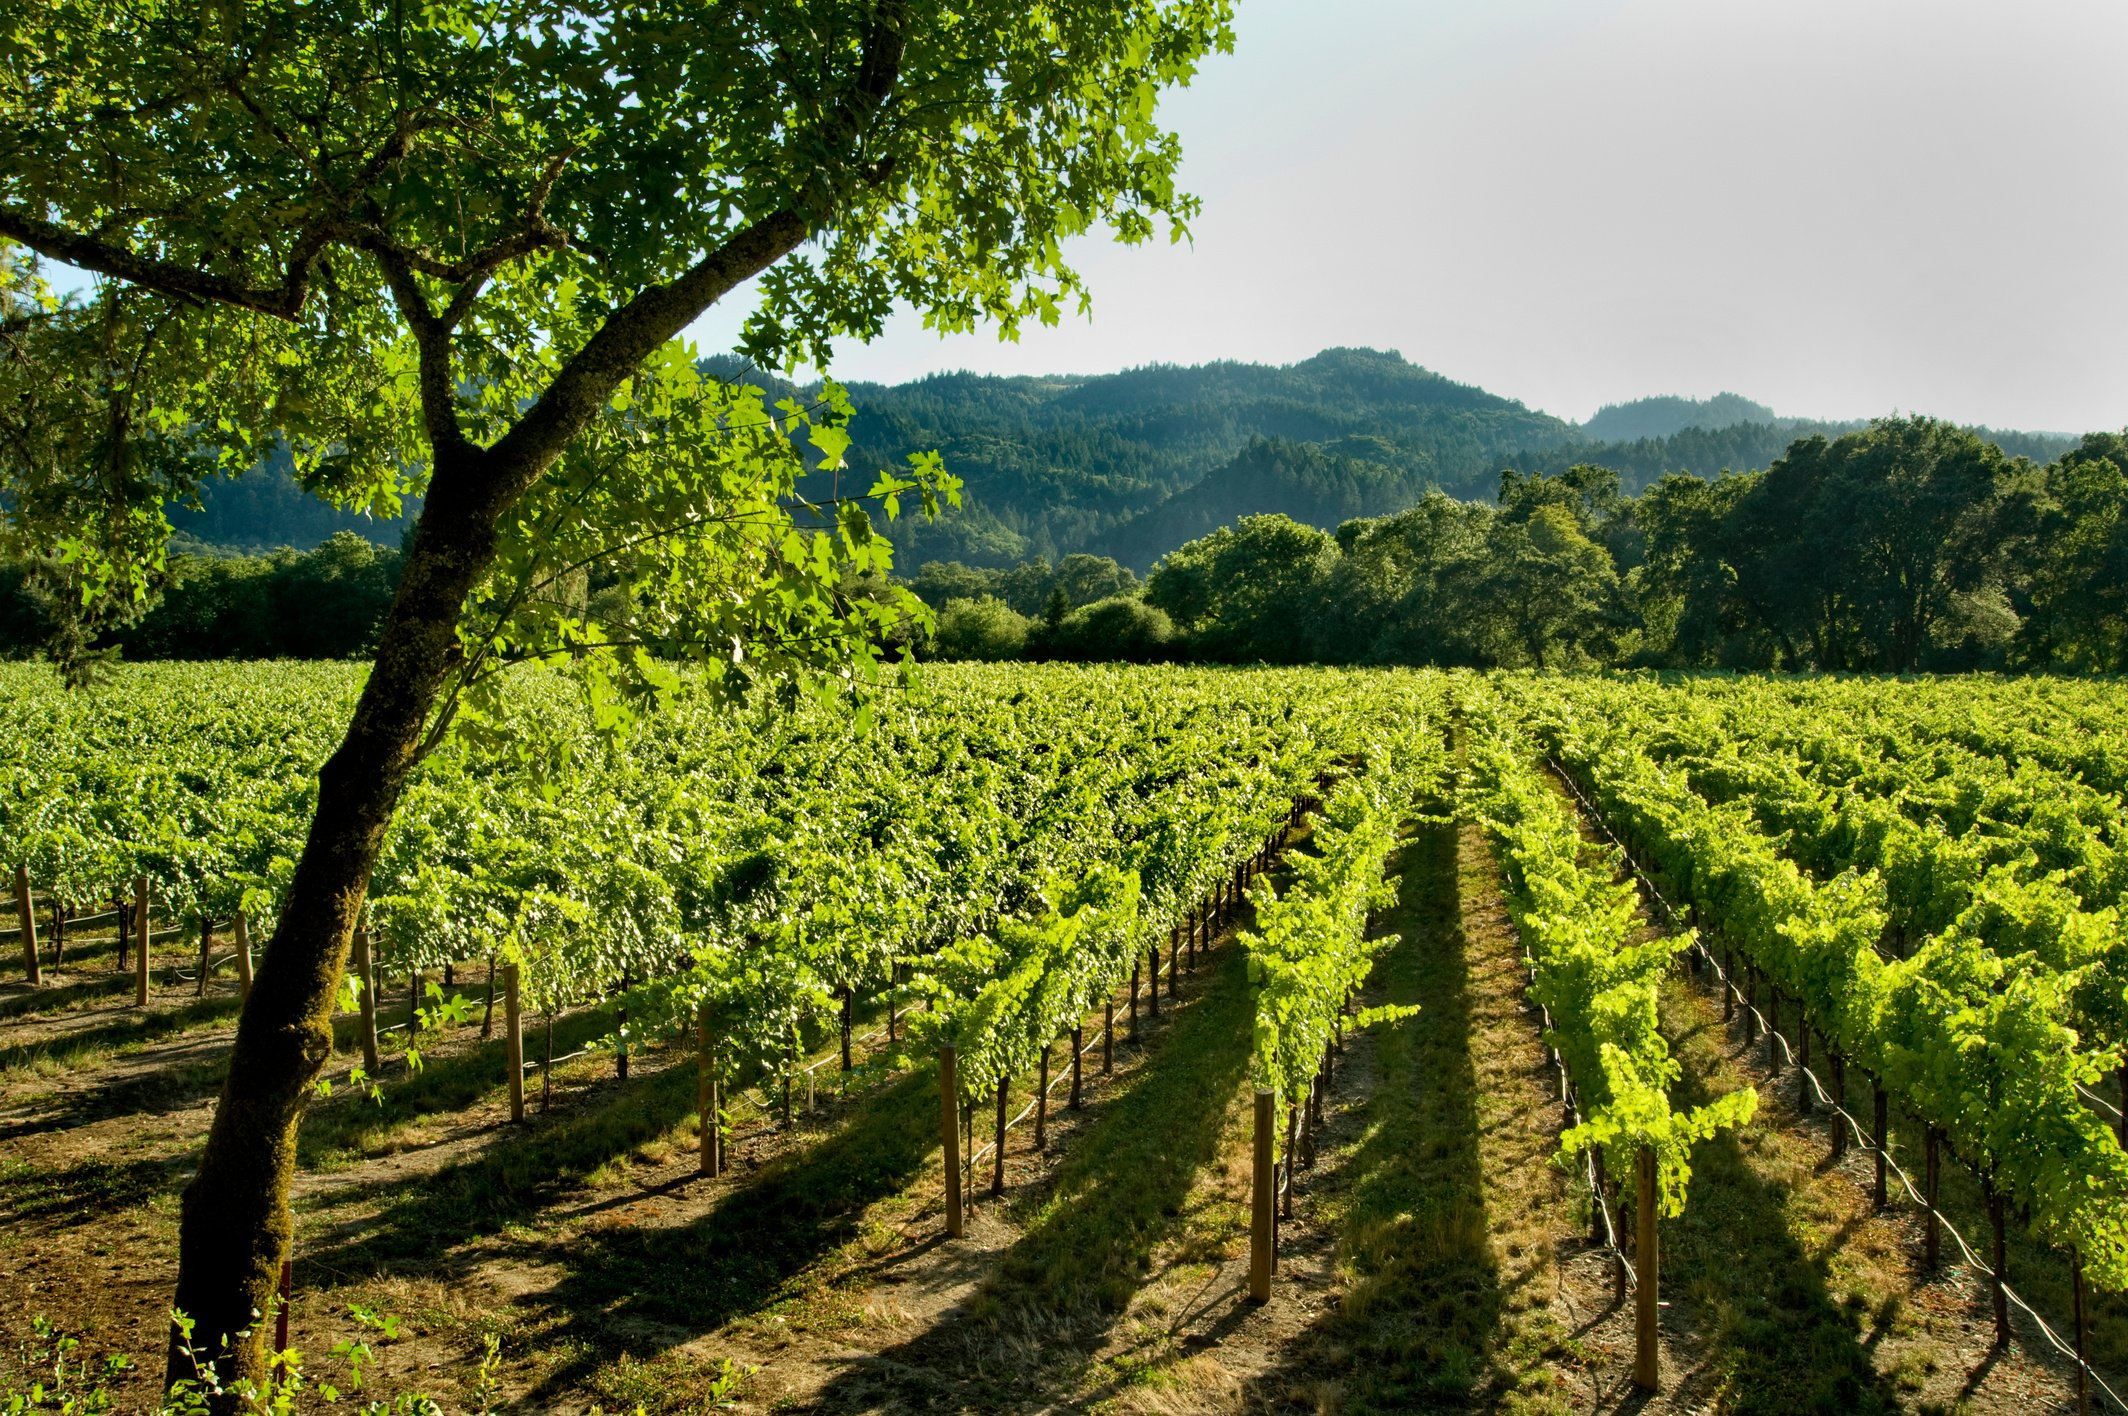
(1352, 508)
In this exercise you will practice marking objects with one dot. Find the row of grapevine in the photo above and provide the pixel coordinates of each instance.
(1973, 1043)
(1595, 971)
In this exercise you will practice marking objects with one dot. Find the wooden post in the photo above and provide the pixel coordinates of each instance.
(1285, 1207)
(140, 941)
(997, 1152)
(546, 1067)
(125, 930)
(1647, 1373)
(1839, 1099)
(413, 1004)
(1751, 1004)
(1931, 1167)
(1773, 1030)
(1134, 997)
(514, 1040)
(1599, 1232)
(1174, 971)
(2083, 1365)
(706, 1094)
(950, 1133)
(242, 931)
(847, 1004)
(1729, 990)
(1152, 995)
(2000, 1264)
(1041, 1102)
(366, 1000)
(1108, 1039)
(206, 954)
(1804, 1097)
(487, 1016)
(1077, 1046)
(27, 918)
(1881, 1125)
(620, 1052)
(1260, 1199)
(2120, 1122)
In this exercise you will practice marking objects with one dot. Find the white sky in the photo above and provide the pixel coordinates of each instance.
(1837, 207)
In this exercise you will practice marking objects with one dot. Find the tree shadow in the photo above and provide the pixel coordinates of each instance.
(88, 1191)
(1777, 1342)
(61, 997)
(72, 1049)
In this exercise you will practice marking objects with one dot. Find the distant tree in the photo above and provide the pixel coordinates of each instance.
(2079, 576)
(1121, 629)
(982, 629)
(1252, 591)
(1543, 594)
(1391, 598)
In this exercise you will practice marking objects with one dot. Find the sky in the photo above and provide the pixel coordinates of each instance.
(1840, 208)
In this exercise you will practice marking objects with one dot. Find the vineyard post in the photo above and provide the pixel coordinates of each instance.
(242, 930)
(1076, 1048)
(513, 1039)
(847, 1004)
(1839, 1099)
(2076, 1298)
(1108, 1039)
(1751, 1003)
(620, 1051)
(206, 953)
(950, 1132)
(1041, 1100)
(366, 999)
(997, 1151)
(1174, 983)
(706, 1091)
(1881, 1134)
(1285, 1208)
(1599, 1230)
(2120, 1122)
(125, 930)
(1646, 1366)
(1931, 1168)
(1134, 996)
(1260, 1199)
(140, 940)
(27, 918)
(1175, 942)
(1802, 1085)
(413, 1002)
(1729, 988)
(2000, 1257)
(1152, 996)
(487, 1017)
(546, 1064)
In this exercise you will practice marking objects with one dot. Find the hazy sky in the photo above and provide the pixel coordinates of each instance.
(1837, 207)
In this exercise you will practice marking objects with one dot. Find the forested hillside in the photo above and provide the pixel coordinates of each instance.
(1134, 464)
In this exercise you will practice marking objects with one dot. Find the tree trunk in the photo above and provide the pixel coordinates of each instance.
(235, 1227)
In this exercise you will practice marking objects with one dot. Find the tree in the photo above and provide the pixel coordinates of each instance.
(450, 254)
(984, 628)
(2080, 581)
(1544, 593)
(1250, 591)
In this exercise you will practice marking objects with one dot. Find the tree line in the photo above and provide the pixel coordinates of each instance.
(1910, 544)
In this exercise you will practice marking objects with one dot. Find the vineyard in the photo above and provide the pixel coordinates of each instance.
(1149, 1039)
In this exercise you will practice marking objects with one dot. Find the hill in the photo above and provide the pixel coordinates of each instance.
(1133, 464)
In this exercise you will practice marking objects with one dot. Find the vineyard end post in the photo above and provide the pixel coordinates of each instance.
(366, 979)
(1261, 1197)
(705, 1101)
(27, 918)
(140, 941)
(242, 930)
(1647, 1373)
(950, 1132)
(514, 1040)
